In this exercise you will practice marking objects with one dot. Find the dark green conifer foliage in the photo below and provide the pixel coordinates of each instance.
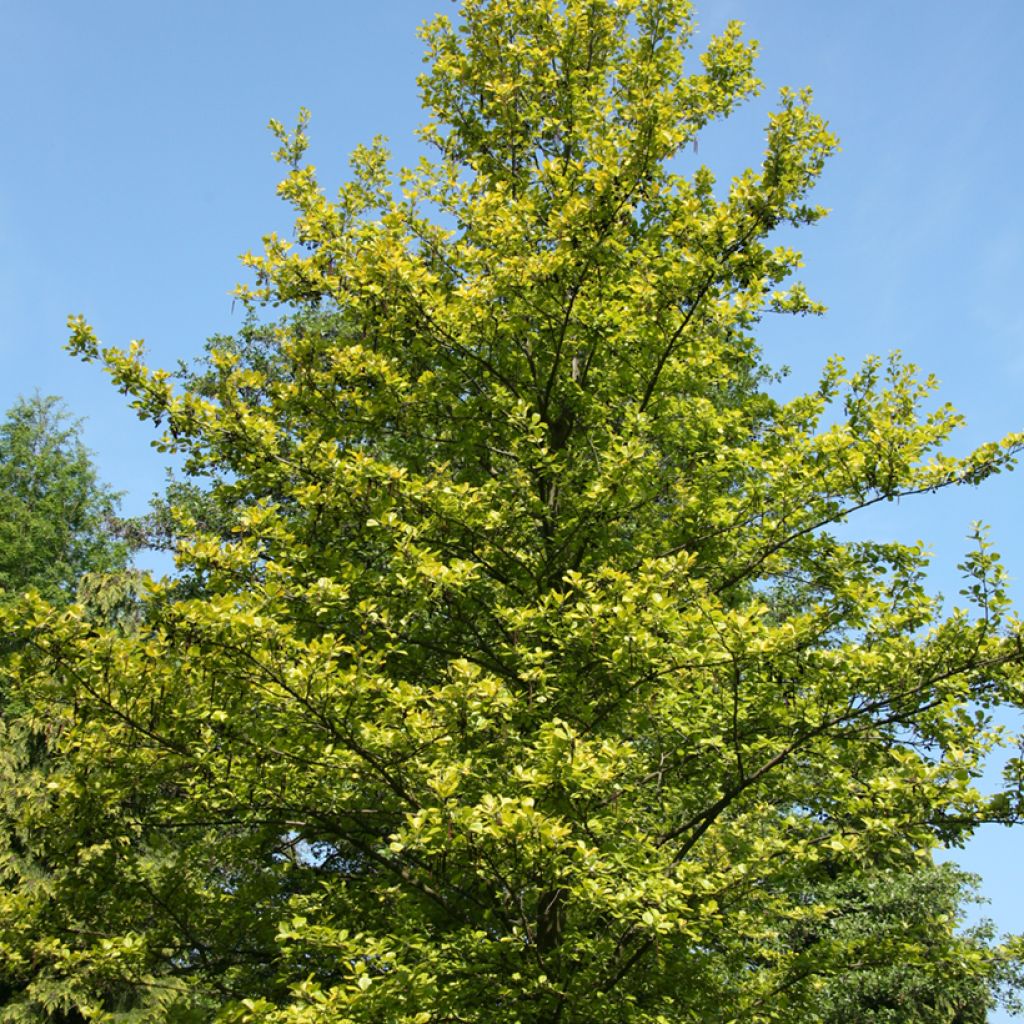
(55, 515)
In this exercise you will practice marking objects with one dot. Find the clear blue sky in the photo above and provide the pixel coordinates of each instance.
(135, 168)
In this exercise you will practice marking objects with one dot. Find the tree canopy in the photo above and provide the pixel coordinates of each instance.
(522, 672)
(55, 515)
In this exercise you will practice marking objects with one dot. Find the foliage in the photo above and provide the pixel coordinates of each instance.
(909, 971)
(521, 674)
(57, 539)
(55, 515)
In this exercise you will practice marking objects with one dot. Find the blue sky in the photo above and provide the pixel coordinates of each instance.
(135, 167)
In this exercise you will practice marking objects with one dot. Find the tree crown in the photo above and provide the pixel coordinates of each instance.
(523, 675)
(55, 514)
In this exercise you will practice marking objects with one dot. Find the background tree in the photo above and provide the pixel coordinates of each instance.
(522, 676)
(55, 515)
(908, 971)
(58, 536)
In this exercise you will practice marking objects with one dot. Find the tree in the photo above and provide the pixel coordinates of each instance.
(886, 913)
(57, 538)
(520, 675)
(55, 515)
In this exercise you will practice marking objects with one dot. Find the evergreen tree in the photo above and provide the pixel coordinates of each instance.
(55, 515)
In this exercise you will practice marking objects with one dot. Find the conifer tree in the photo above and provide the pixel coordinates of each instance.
(55, 515)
